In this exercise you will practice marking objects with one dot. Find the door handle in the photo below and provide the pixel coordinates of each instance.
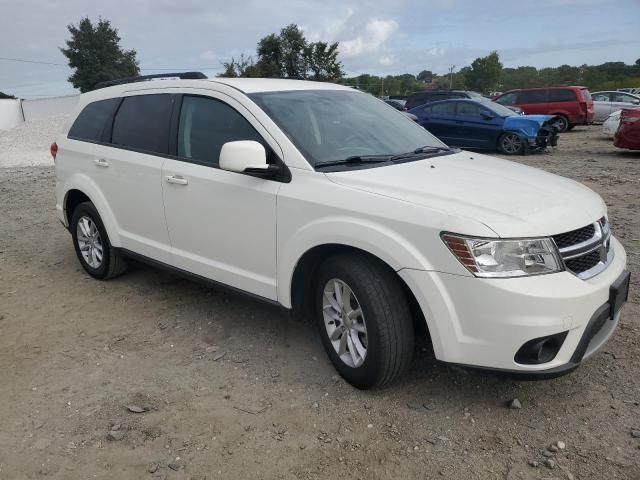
(176, 179)
(101, 162)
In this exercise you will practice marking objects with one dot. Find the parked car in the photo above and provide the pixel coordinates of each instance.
(605, 103)
(427, 96)
(487, 125)
(572, 105)
(628, 133)
(320, 199)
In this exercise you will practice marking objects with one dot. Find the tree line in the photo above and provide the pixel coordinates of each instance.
(94, 53)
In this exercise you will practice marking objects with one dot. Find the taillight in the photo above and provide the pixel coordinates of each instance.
(53, 149)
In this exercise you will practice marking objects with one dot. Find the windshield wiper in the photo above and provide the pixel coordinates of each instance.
(421, 150)
(355, 159)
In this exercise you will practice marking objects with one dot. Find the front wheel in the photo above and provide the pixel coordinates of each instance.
(510, 144)
(364, 320)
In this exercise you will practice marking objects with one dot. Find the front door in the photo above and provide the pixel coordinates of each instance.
(222, 224)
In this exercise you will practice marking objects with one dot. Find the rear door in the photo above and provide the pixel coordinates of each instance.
(602, 106)
(132, 170)
(222, 224)
(440, 120)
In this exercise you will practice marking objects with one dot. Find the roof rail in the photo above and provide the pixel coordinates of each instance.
(145, 78)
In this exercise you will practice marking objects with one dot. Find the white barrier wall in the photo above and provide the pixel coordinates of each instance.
(14, 112)
(10, 113)
(49, 107)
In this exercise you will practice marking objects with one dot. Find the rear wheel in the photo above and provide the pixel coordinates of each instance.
(510, 144)
(364, 320)
(91, 242)
(562, 123)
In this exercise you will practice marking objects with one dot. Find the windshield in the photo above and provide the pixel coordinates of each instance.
(501, 110)
(333, 125)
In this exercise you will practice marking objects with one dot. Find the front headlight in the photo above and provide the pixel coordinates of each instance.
(497, 258)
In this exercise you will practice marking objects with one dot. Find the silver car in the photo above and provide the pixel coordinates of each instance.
(605, 103)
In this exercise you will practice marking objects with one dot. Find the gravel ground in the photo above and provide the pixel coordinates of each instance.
(152, 376)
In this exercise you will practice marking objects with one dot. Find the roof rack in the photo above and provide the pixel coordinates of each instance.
(145, 78)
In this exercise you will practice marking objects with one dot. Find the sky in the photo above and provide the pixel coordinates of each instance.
(390, 37)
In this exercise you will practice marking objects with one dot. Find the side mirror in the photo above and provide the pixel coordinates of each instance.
(635, 102)
(245, 156)
(487, 114)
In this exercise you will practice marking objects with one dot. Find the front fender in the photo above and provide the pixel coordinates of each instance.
(83, 183)
(378, 240)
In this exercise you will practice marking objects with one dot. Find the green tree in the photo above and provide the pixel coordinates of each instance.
(292, 47)
(484, 74)
(95, 54)
(425, 76)
(322, 61)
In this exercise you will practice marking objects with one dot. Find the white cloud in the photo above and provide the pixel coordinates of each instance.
(373, 39)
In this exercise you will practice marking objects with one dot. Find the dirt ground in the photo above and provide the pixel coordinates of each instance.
(229, 388)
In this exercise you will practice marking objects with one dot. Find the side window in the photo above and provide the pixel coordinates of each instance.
(622, 97)
(206, 124)
(92, 121)
(562, 95)
(469, 109)
(444, 108)
(419, 99)
(533, 96)
(142, 123)
(601, 97)
(507, 99)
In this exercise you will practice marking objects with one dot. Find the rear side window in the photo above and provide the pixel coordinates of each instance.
(207, 124)
(444, 108)
(533, 96)
(562, 95)
(602, 97)
(142, 123)
(93, 120)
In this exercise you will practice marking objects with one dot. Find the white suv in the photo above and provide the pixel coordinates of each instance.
(322, 199)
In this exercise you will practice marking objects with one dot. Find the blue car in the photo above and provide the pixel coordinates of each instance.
(486, 125)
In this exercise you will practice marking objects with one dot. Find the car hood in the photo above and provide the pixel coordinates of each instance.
(511, 199)
(527, 124)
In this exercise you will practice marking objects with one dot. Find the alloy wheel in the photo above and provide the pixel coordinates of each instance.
(511, 144)
(344, 322)
(89, 242)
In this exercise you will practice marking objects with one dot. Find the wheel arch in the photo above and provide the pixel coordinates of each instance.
(80, 188)
(302, 282)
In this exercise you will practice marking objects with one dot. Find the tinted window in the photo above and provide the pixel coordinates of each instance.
(469, 109)
(507, 99)
(533, 96)
(93, 119)
(444, 108)
(142, 123)
(207, 124)
(562, 96)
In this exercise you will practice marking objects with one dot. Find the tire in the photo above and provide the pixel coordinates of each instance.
(511, 144)
(562, 123)
(87, 225)
(570, 127)
(388, 337)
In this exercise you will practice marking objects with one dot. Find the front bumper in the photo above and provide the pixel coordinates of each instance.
(482, 323)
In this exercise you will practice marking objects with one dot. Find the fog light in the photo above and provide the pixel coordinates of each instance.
(540, 350)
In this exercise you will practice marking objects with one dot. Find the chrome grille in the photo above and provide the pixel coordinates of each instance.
(586, 251)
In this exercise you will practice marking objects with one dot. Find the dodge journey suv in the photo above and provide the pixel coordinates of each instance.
(323, 200)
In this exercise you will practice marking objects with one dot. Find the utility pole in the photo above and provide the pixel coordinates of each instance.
(451, 69)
